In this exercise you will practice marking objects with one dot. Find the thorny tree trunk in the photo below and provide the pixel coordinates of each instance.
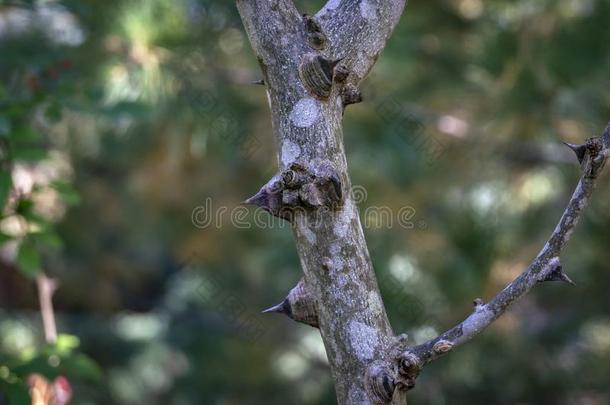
(308, 130)
(312, 67)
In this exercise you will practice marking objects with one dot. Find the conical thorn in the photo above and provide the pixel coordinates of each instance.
(259, 199)
(557, 274)
(281, 308)
(579, 150)
(259, 82)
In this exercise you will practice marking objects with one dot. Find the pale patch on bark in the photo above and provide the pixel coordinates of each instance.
(305, 112)
(363, 339)
(342, 225)
(358, 396)
(368, 11)
(290, 152)
(475, 323)
(309, 235)
(374, 302)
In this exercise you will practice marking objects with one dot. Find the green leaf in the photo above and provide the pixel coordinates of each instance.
(67, 192)
(29, 153)
(24, 207)
(5, 125)
(24, 133)
(80, 365)
(16, 393)
(6, 183)
(48, 238)
(4, 238)
(65, 343)
(53, 112)
(28, 259)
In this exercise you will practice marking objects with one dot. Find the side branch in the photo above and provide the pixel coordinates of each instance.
(545, 267)
(357, 31)
(271, 26)
(46, 289)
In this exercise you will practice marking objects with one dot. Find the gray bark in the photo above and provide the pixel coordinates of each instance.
(331, 246)
(545, 267)
(312, 67)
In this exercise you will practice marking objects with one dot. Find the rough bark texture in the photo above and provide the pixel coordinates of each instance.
(312, 67)
(308, 130)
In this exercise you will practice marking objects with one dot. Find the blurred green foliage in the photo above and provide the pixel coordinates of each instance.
(119, 118)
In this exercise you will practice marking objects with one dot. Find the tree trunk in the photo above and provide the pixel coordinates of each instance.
(308, 129)
(312, 67)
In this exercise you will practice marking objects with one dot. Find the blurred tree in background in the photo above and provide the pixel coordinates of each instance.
(124, 124)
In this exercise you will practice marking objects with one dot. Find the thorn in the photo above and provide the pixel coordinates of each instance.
(259, 199)
(259, 82)
(281, 308)
(329, 65)
(351, 95)
(557, 274)
(579, 150)
(477, 302)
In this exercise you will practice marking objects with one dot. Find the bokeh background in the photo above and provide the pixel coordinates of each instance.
(130, 132)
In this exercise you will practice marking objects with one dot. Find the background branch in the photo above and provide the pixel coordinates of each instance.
(46, 288)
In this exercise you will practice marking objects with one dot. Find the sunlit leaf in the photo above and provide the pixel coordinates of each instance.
(66, 343)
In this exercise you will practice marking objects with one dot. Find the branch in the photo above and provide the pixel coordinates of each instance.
(271, 26)
(545, 267)
(311, 68)
(46, 289)
(357, 31)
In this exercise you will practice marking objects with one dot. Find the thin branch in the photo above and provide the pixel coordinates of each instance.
(545, 267)
(46, 289)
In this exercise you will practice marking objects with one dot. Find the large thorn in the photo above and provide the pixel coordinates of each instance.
(259, 82)
(557, 274)
(299, 306)
(259, 199)
(281, 308)
(269, 197)
(579, 150)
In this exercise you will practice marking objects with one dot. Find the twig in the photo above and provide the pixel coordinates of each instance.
(545, 267)
(46, 289)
